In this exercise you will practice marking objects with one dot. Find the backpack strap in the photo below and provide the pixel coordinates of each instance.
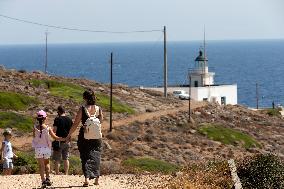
(97, 108)
(88, 113)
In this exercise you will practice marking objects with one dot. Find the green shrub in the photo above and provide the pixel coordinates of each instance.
(151, 165)
(227, 135)
(16, 121)
(15, 101)
(75, 166)
(25, 163)
(273, 112)
(261, 172)
(104, 101)
(75, 92)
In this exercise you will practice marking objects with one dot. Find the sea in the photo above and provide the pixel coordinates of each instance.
(245, 63)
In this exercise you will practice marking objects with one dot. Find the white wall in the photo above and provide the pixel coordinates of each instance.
(216, 92)
(203, 79)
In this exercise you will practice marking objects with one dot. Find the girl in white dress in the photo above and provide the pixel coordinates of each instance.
(42, 145)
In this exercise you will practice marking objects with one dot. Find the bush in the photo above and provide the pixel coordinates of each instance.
(262, 171)
(15, 101)
(25, 164)
(16, 121)
(227, 135)
(151, 165)
(75, 166)
(273, 112)
(22, 71)
(213, 175)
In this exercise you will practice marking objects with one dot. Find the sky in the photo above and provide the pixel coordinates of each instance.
(185, 20)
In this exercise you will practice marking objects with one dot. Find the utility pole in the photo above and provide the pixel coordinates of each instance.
(110, 116)
(189, 103)
(45, 65)
(256, 93)
(165, 64)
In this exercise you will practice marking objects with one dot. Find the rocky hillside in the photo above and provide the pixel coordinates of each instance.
(148, 125)
(172, 139)
(36, 85)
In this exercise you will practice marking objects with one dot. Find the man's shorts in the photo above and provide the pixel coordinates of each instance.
(7, 165)
(62, 152)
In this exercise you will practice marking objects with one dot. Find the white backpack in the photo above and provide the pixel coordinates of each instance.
(93, 129)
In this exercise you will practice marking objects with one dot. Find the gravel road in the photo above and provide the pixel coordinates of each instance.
(32, 181)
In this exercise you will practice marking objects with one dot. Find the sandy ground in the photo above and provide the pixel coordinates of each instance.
(32, 181)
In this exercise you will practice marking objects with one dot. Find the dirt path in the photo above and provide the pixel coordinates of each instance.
(74, 181)
(143, 117)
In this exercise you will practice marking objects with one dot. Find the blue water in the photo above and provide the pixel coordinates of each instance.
(141, 64)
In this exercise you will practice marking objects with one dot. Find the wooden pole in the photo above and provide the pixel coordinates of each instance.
(45, 65)
(110, 116)
(256, 93)
(189, 103)
(165, 64)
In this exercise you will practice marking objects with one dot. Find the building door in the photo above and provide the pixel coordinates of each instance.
(223, 100)
(195, 83)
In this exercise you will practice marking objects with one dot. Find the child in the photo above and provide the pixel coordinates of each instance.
(7, 153)
(42, 145)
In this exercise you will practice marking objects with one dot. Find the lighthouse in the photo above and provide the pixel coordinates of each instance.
(201, 84)
(203, 87)
(200, 76)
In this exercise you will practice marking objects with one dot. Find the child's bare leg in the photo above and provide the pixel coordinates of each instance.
(97, 181)
(86, 180)
(9, 171)
(5, 171)
(41, 168)
(47, 167)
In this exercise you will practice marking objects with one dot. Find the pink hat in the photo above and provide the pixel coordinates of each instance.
(41, 113)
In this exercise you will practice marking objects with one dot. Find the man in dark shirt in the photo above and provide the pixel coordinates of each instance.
(61, 127)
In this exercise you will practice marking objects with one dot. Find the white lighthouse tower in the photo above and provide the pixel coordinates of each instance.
(200, 76)
(202, 86)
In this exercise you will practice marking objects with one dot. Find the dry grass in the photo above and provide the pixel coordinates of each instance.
(215, 175)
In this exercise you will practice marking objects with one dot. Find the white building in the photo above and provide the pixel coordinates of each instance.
(202, 85)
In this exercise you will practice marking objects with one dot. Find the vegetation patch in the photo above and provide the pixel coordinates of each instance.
(103, 101)
(75, 166)
(273, 112)
(261, 171)
(25, 163)
(15, 101)
(151, 165)
(73, 91)
(16, 121)
(215, 175)
(227, 135)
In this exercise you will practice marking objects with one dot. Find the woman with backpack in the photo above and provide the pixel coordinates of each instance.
(89, 138)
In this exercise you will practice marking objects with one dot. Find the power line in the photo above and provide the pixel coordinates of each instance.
(76, 29)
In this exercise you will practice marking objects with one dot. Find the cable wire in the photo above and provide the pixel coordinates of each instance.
(77, 29)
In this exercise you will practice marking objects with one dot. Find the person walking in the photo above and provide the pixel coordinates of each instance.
(42, 144)
(7, 154)
(90, 149)
(61, 149)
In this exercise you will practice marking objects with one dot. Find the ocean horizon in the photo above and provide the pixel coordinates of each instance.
(242, 62)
